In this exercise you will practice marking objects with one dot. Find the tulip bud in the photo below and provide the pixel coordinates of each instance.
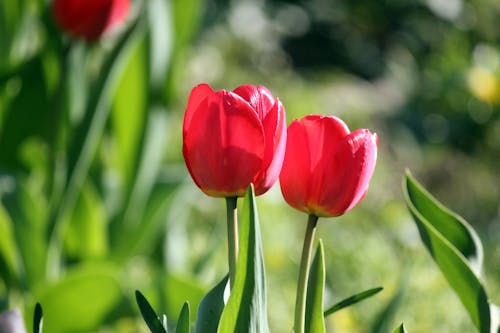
(233, 138)
(89, 19)
(326, 169)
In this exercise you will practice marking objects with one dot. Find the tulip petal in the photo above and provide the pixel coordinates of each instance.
(324, 136)
(218, 152)
(260, 98)
(295, 173)
(347, 172)
(272, 115)
(275, 132)
(89, 18)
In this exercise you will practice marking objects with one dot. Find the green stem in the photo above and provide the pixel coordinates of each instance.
(300, 303)
(232, 236)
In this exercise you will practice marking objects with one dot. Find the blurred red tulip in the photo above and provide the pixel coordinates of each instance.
(326, 169)
(89, 19)
(232, 139)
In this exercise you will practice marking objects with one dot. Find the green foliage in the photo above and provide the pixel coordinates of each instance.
(352, 300)
(183, 324)
(38, 319)
(150, 317)
(314, 320)
(456, 249)
(83, 135)
(89, 294)
(90, 157)
(210, 308)
(246, 309)
(400, 329)
(384, 319)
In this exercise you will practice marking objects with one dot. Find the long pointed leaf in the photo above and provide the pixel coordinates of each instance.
(400, 329)
(38, 319)
(131, 233)
(148, 314)
(88, 136)
(314, 319)
(210, 309)
(385, 318)
(353, 300)
(455, 248)
(183, 321)
(246, 309)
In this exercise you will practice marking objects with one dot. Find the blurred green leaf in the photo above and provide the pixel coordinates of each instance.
(187, 18)
(89, 134)
(152, 223)
(455, 248)
(76, 81)
(38, 319)
(400, 329)
(183, 324)
(86, 237)
(81, 300)
(314, 319)
(177, 290)
(129, 112)
(353, 300)
(246, 309)
(19, 35)
(150, 317)
(9, 265)
(210, 308)
(26, 205)
(161, 35)
(28, 100)
(384, 321)
(132, 233)
(186, 14)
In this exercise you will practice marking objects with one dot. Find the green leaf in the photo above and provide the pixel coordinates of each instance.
(81, 300)
(26, 206)
(186, 16)
(131, 232)
(384, 320)
(246, 309)
(400, 329)
(150, 317)
(455, 248)
(183, 321)
(210, 308)
(176, 290)
(130, 99)
(89, 133)
(161, 35)
(18, 33)
(38, 319)
(87, 234)
(352, 300)
(9, 265)
(314, 319)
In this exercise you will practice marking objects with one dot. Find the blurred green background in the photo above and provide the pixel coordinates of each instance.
(96, 201)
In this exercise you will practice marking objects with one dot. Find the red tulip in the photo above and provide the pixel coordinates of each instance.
(232, 139)
(89, 19)
(327, 169)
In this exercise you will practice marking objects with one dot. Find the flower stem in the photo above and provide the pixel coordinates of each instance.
(300, 303)
(232, 236)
